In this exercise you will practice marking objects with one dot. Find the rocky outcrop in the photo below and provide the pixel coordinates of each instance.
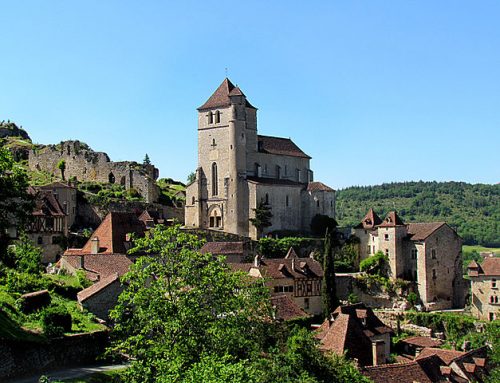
(10, 129)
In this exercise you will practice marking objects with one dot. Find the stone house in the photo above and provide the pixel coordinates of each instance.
(48, 225)
(485, 285)
(66, 195)
(234, 252)
(429, 254)
(239, 169)
(102, 296)
(355, 329)
(297, 278)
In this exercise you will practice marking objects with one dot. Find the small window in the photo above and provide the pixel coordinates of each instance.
(210, 118)
(414, 253)
(306, 303)
(299, 175)
(286, 201)
(317, 203)
(492, 299)
(387, 252)
(40, 241)
(267, 199)
(434, 275)
(192, 201)
(433, 253)
(369, 249)
(286, 170)
(386, 237)
(491, 316)
(278, 172)
(493, 283)
(217, 117)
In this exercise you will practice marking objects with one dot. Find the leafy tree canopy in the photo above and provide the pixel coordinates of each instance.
(262, 217)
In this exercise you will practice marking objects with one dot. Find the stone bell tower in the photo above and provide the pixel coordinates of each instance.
(227, 130)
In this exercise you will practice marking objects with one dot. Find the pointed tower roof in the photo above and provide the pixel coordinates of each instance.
(221, 97)
(370, 220)
(392, 219)
(291, 254)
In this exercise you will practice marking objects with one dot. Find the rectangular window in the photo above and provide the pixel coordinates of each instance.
(287, 201)
(387, 252)
(306, 303)
(414, 253)
(433, 253)
(434, 276)
(386, 237)
(369, 249)
(493, 283)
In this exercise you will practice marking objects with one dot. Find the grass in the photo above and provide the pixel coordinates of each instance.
(480, 249)
(113, 376)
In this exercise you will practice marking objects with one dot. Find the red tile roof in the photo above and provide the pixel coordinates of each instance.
(46, 203)
(220, 98)
(447, 356)
(295, 268)
(245, 267)
(422, 341)
(370, 220)
(286, 309)
(97, 287)
(410, 372)
(318, 186)
(112, 233)
(392, 219)
(279, 145)
(491, 266)
(420, 231)
(222, 248)
(102, 265)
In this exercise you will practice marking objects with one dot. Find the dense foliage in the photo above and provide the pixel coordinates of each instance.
(262, 218)
(185, 317)
(278, 247)
(473, 209)
(329, 291)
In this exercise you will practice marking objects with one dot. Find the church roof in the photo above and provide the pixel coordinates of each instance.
(279, 145)
(221, 97)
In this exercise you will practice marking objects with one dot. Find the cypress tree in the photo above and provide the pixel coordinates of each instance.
(329, 291)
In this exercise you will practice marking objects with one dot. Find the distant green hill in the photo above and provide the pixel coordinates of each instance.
(473, 209)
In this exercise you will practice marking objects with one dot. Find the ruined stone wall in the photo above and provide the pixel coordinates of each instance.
(86, 165)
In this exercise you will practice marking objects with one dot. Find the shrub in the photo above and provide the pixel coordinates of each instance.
(56, 320)
(320, 223)
(412, 298)
(374, 265)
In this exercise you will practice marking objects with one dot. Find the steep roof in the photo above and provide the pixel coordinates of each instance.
(370, 220)
(447, 356)
(100, 265)
(295, 268)
(392, 219)
(318, 186)
(46, 204)
(286, 309)
(491, 266)
(420, 231)
(112, 234)
(279, 145)
(350, 328)
(97, 287)
(220, 98)
(222, 248)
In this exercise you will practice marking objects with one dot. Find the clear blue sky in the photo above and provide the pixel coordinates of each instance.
(374, 91)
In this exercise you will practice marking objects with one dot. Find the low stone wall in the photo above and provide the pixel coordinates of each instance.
(392, 317)
(28, 358)
(345, 286)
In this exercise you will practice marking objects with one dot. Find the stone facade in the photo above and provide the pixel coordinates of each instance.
(238, 169)
(485, 285)
(86, 165)
(429, 254)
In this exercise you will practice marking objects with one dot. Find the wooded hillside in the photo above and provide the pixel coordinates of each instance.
(473, 209)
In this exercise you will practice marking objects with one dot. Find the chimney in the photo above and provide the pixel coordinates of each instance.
(293, 264)
(378, 352)
(94, 245)
(256, 260)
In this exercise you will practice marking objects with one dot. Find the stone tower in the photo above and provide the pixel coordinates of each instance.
(227, 127)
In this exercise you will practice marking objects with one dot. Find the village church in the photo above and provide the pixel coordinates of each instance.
(238, 169)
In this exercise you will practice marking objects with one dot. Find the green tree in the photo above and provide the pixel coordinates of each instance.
(375, 265)
(191, 177)
(321, 223)
(146, 160)
(262, 217)
(180, 305)
(15, 202)
(61, 165)
(329, 293)
(26, 256)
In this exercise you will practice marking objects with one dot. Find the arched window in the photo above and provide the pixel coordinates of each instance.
(210, 118)
(111, 178)
(215, 180)
(215, 218)
(217, 117)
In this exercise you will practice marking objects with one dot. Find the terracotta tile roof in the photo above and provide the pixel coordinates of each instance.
(274, 181)
(392, 219)
(97, 287)
(350, 328)
(420, 231)
(318, 186)
(102, 265)
(279, 145)
(150, 215)
(291, 268)
(473, 363)
(491, 266)
(220, 98)
(286, 309)
(222, 248)
(370, 220)
(291, 254)
(245, 267)
(422, 341)
(447, 356)
(112, 234)
(397, 373)
(46, 203)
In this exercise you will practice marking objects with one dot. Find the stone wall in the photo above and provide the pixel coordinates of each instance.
(87, 165)
(27, 358)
